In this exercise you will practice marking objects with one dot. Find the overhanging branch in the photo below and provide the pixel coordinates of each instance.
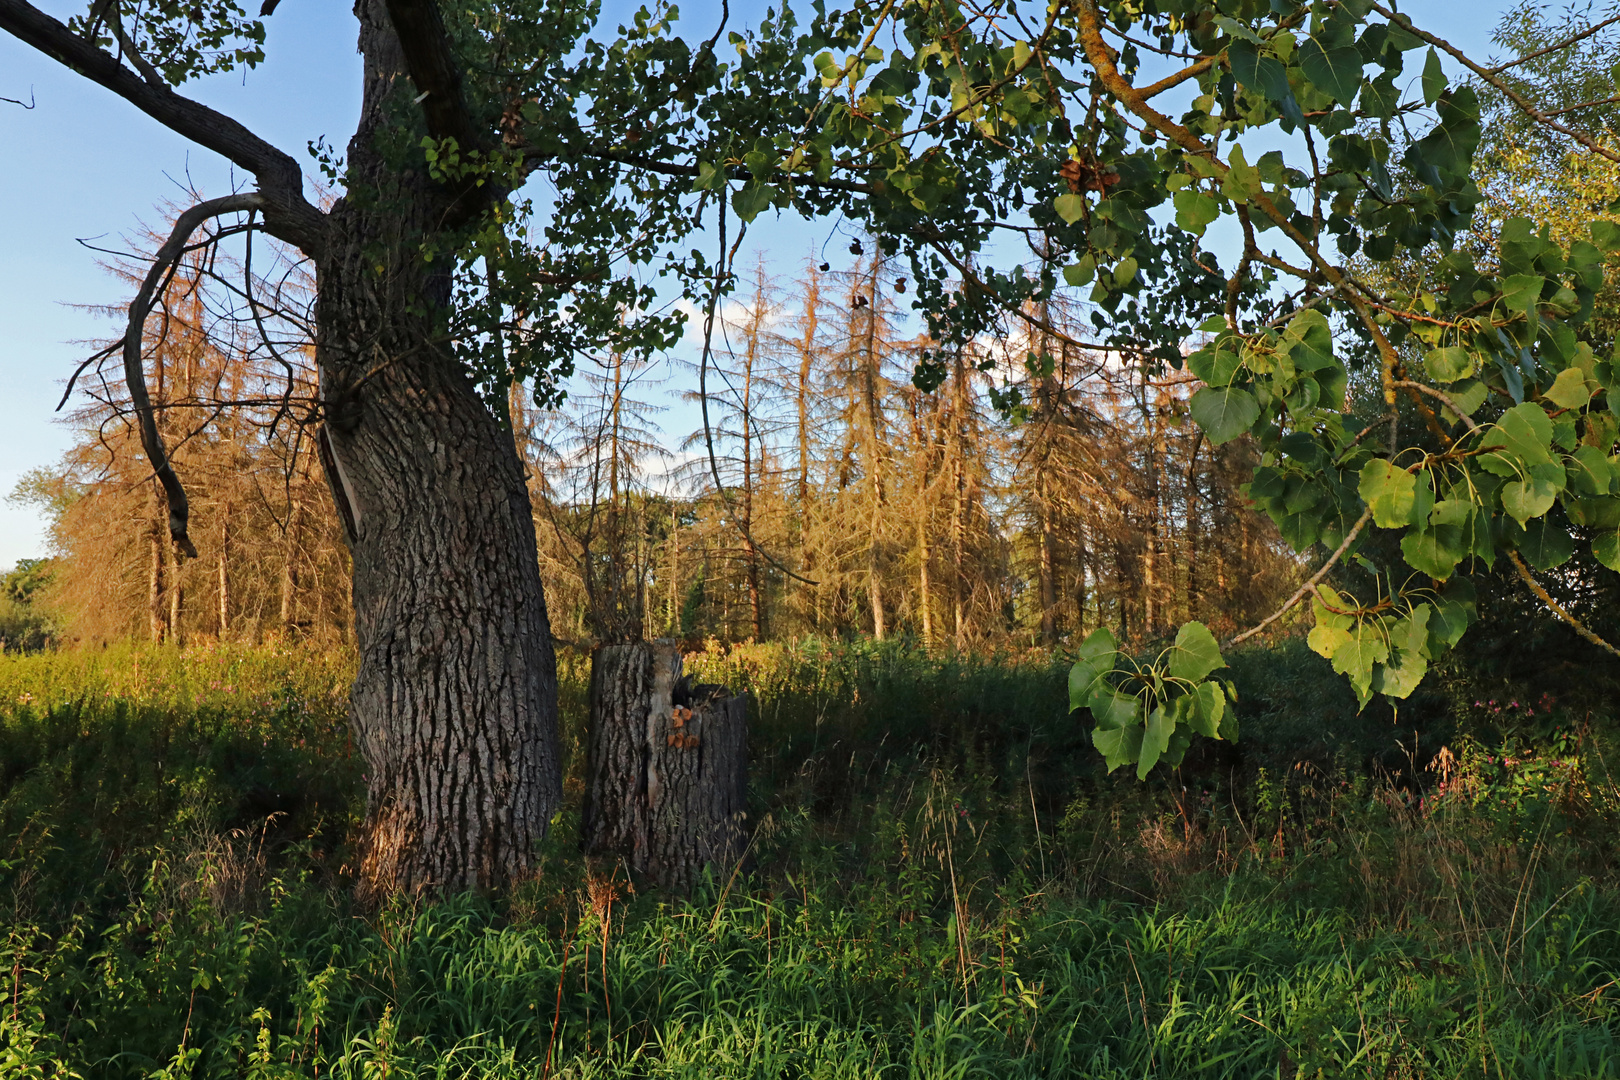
(134, 334)
(288, 215)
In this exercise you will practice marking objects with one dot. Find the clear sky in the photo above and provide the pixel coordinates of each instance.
(83, 164)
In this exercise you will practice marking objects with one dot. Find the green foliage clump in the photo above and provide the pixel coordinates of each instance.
(24, 624)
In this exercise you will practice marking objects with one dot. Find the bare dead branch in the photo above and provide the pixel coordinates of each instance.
(134, 371)
(1310, 582)
(1489, 76)
(721, 272)
(15, 101)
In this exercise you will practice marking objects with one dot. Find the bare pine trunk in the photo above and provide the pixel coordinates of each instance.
(289, 566)
(958, 500)
(221, 571)
(1043, 507)
(1194, 599)
(874, 457)
(924, 556)
(176, 594)
(666, 787)
(158, 536)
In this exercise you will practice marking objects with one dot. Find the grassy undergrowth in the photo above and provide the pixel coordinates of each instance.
(946, 887)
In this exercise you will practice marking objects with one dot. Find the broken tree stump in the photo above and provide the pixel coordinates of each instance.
(667, 774)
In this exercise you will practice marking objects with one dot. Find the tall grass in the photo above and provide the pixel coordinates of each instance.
(946, 887)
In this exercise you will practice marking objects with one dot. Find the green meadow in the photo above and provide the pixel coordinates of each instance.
(942, 883)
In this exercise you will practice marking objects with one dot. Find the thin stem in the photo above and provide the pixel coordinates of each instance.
(1310, 583)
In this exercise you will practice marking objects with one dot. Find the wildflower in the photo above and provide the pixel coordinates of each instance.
(24, 698)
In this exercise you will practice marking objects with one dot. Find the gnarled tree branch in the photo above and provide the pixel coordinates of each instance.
(134, 334)
(287, 214)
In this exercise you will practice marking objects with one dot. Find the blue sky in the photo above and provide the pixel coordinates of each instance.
(82, 164)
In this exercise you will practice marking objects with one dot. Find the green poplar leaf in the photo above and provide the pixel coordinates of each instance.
(1325, 639)
(1308, 341)
(1242, 181)
(1357, 655)
(1195, 210)
(1390, 491)
(1410, 633)
(1521, 292)
(1332, 629)
(1214, 364)
(1435, 552)
(1095, 659)
(1224, 412)
(1195, 653)
(1594, 513)
(1449, 364)
(1237, 29)
(1336, 72)
(1605, 234)
(1451, 512)
(1434, 78)
(1527, 499)
(1525, 432)
(1544, 545)
(1451, 619)
(1155, 740)
(1111, 709)
(1208, 709)
(1606, 549)
(1118, 745)
(1422, 500)
(1469, 395)
(751, 200)
(1569, 390)
(1400, 678)
(1591, 473)
(1081, 273)
(1070, 207)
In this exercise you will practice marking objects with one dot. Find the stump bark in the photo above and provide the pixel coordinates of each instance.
(667, 777)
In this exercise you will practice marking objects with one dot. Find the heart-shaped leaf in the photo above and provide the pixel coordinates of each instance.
(1224, 412)
(1449, 364)
(1389, 491)
(1195, 653)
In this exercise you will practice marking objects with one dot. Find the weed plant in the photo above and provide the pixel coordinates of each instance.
(946, 887)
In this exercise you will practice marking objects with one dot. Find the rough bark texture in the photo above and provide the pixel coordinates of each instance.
(666, 789)
(454, 705)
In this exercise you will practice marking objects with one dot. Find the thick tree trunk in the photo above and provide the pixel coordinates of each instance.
(667, 783)
(454, 704)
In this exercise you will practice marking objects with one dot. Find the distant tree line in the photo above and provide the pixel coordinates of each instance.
(1041, 491)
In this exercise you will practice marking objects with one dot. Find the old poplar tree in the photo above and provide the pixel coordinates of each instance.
(1100, 141)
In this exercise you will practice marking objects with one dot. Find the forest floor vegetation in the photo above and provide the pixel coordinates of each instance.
(942, 883)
